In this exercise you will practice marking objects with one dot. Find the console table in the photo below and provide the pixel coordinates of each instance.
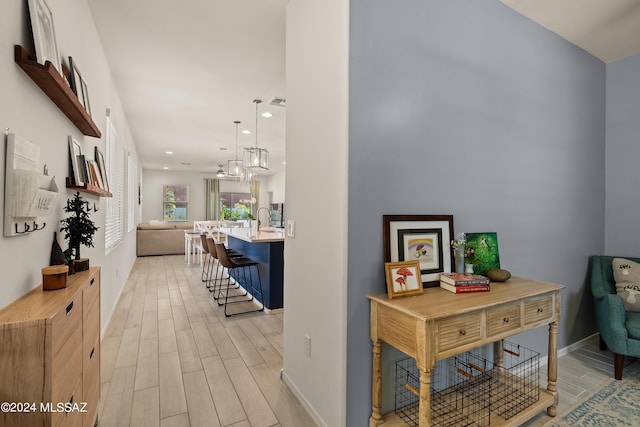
(439, 324)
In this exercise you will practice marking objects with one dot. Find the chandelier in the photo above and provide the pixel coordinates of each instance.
(256, 159)
(235, 168)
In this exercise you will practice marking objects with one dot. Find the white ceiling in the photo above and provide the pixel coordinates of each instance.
(186, 70)
(607, 29)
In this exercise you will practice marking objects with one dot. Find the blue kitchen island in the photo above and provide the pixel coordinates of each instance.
(266, 248)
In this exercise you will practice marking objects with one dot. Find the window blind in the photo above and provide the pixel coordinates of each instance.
(131, 192)
(114, 216)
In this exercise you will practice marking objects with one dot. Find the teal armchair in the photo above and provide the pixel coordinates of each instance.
(619, 329)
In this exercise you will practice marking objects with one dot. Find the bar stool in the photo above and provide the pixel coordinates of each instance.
(239, 266)
(207, 257)
(215, 278)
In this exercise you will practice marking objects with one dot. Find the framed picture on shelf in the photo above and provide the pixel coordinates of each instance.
(101, 165)
(77, 162)
(75, 80)
(44, 35)
(422, 238)
(85, 97)
(403, 278)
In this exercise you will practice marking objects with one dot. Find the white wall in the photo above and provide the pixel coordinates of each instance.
(154, 180)
(275, 184)
(29, 113)
(315, 276)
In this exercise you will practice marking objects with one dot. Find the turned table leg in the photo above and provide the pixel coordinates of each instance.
(552, 367)
(376, 389)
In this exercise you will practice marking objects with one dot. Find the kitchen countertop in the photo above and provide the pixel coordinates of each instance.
(244, 233)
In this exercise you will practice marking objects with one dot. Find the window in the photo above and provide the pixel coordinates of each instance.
(175, 202)
(235, 206)
(114, 216)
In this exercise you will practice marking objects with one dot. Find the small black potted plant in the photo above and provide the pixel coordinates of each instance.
(79, 230)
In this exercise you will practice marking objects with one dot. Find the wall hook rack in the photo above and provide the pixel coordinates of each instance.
(30, 228)
(28, 194)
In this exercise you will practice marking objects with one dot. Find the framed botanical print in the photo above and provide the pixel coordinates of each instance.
(422, 238)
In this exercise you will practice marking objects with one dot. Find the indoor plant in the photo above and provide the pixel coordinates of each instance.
(79, 229)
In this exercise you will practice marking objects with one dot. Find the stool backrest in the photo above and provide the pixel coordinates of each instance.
(211, 245)
(223, 257)
(203, 241)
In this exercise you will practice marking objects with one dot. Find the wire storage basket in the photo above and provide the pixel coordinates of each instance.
(516, 380)
(469, 388)
(460, 387)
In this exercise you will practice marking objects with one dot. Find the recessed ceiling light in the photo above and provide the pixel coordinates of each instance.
(267, 114)
(168, 152)
(223, 149)
(165, 167)
(246, 132)
(284, 163)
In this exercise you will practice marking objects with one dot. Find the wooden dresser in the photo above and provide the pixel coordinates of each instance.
(439, 324)
(50, 355)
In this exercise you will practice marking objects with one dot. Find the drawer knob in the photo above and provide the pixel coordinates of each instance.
(70, 307)
(540, 309)
(463, 332)
(505, 320)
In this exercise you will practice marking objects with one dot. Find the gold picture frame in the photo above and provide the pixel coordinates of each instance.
(403, 278)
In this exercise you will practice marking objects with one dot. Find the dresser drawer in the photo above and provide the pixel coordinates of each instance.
(73, 401)
(66, 368)
(458, 331)
(65, 322)
(91, 315)
(503, 319)
(91, 382)
(538, 309)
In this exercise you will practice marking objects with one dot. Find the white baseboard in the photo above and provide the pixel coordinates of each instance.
(314, 414)
(568, 349)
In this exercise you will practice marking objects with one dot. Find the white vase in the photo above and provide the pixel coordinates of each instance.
(468, 268)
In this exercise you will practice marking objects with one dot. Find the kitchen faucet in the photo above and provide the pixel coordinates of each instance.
(258, 216)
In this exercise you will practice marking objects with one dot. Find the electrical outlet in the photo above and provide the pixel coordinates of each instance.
(291, 228)
(307, 345)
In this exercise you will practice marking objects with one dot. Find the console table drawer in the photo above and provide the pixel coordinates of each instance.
(501, 320)
(538, 309)
(458, 331)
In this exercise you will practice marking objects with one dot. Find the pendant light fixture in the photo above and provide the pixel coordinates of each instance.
(256, 159)
(235, 168)
(220, 172)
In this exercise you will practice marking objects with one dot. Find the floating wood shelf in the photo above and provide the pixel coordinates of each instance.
(52, 84)
(88, 188)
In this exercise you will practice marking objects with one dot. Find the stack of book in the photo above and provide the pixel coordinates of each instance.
(459, 283)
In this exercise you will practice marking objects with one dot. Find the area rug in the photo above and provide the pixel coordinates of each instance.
(614, 404)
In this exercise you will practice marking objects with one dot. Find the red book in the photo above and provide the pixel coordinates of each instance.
(462, 289)
(463, 279)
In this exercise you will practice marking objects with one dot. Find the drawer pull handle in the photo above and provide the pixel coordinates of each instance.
(505, 320)
(540, 310)
(463, 332)
(93, 279)
(70, 307)
(69, 407)
(92, 351)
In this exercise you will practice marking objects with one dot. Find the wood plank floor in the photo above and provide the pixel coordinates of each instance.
(170, 358)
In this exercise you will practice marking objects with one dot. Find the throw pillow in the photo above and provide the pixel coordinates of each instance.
(626, 273)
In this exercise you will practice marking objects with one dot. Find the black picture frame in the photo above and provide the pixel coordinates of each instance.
(426, 238)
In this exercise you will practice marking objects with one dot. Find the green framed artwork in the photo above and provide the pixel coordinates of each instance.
(485, 251)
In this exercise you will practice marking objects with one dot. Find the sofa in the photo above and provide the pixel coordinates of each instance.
(161, 238)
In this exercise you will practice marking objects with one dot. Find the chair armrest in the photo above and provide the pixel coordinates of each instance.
(611, 318)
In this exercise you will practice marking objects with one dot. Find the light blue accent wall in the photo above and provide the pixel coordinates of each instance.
(623, 157)
(468, 108)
